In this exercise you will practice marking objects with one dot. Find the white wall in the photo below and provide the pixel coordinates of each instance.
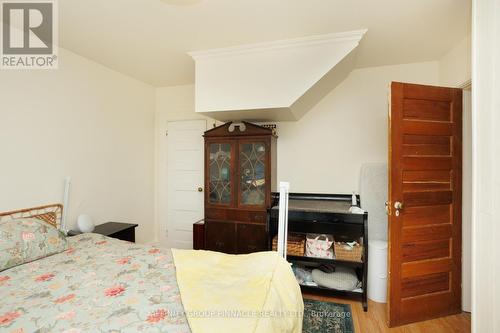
(323, 151)
(455, 65)
(84, 121)
(486, 166)
(455, 71)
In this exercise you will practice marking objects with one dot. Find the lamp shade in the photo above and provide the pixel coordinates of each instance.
(85, 223)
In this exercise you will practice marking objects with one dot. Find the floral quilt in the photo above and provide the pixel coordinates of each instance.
(99, 284)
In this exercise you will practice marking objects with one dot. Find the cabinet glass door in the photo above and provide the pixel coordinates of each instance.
(252, 167)
(220, 173)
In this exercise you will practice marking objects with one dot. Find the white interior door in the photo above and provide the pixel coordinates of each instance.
(185, 171)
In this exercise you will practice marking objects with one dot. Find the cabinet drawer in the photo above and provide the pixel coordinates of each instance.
(236, 215)
(248, 216)
(251, 238)
(259, 217)
(220, 236)
(216, 214)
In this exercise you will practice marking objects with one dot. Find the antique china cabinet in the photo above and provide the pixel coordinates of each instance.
(240, 174)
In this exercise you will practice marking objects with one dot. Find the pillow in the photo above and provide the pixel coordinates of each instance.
(342, 279)
(26, 239)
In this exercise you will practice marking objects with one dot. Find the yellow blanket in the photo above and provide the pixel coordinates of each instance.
(238, 293)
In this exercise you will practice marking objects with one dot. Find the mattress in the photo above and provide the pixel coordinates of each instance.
(102, 284)
(98, 284)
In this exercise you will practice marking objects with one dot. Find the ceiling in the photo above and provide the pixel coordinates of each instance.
(149, 39)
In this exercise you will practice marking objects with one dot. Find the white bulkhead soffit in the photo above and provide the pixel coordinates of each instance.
(272, 81)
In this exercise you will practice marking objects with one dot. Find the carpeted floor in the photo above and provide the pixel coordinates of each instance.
(328, 317)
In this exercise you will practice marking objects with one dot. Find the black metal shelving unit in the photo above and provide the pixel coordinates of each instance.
(343, 225)
(333, 262)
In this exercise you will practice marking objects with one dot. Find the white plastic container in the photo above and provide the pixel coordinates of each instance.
(377, 271)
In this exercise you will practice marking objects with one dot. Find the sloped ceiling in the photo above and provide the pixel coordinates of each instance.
(280, 80)
(149, 39)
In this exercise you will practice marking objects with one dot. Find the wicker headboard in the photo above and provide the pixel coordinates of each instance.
(50, 213)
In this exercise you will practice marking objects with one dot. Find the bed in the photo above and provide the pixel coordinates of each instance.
(100, 284)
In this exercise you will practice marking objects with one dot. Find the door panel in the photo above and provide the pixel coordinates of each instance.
(426, 128)
(424, 215)
(425, 163)
(425, 233)
(425, 186)
(421, 268)
(421, 109)
(442, 176)
(414, 310)
(185, 179)
(426, 250)
(425, 284)
(425, 199)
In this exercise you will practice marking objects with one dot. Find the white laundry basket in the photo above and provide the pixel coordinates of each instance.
(377, 270)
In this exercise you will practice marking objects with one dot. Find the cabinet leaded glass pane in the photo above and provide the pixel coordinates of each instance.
(253, 175)
(220, 173)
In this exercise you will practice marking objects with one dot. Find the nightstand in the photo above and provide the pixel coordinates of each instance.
(118, 230)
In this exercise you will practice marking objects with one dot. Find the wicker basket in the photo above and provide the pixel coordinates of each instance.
(345, 252)
(296, 244)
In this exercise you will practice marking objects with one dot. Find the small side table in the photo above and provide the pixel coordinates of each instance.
(199, 235)
(118, 230)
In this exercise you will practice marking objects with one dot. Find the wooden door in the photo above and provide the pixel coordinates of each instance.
(425, 183)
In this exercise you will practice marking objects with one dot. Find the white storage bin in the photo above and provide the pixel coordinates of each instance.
(377, 270)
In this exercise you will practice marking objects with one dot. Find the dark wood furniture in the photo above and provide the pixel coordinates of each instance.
(118, 230)
(199, 235)
(325, 214)
(240, 174)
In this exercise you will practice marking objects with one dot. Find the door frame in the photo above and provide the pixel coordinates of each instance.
(467, 198)
(393, 316)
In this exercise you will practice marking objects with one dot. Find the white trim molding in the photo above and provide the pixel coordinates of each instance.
(336, 37)
(486, 166)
